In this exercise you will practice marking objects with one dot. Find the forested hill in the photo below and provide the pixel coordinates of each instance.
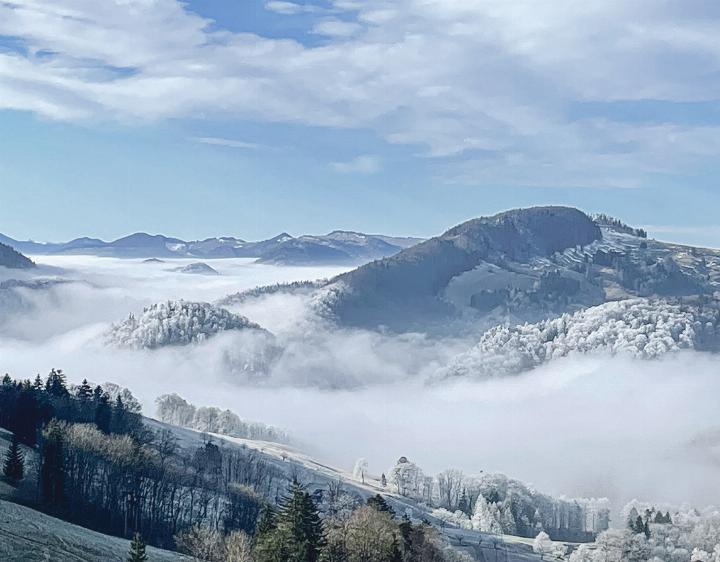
(418, 275)
(523, 265)
(13, 259)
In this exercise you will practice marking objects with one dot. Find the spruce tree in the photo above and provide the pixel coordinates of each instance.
(14, 465)
(378, 503)
(463, 503)
(52, 463)
(103, 413)
(267, 521)
(298, 536)
(137, 550)
(55, 384)
(84, 391)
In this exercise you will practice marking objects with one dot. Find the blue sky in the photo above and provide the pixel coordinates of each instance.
(250, 118)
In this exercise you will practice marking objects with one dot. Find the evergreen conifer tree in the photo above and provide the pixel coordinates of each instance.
(84, 391)
(52, 463)
(463, 503)
(137, 550)
(103, 413)
(55, 384)
(14, 465)
(299, 534)
(378, 502)
(267, 521)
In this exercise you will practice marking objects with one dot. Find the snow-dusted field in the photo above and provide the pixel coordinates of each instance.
(27, 535)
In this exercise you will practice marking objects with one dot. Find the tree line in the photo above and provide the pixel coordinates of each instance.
(98, 465)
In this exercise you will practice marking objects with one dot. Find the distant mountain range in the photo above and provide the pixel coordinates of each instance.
(520, 265)
(336, 247)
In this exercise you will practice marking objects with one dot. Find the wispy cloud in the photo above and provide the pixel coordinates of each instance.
(364, 164)
(290, 8)
(481, 82)
(230, 143)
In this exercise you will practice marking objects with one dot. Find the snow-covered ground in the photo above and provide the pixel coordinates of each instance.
(27, 535)
(314, 474)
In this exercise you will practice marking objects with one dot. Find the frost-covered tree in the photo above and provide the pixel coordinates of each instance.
(406, 478)
(115, 391)
(360, 470)
(175, 410)
(449, 487)
(456, 519)
(485, 517)
(176, 323)
(642, 328)
(542, 545)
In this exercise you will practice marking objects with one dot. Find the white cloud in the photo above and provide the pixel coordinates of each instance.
(333, 27)
(289, 8)
(364, 164)
(489, 81)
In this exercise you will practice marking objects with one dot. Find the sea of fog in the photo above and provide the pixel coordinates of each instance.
(589, 426)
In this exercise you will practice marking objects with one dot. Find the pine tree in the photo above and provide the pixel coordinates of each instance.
(84, 391)
(378, 502)
(52, 463)
(137, 550)
(396, 555)
(299, 534)
(267, 521)
(14, 465)
(103, 413)
(406, 533)
(38, 384)
(463, 503)
(55, 384)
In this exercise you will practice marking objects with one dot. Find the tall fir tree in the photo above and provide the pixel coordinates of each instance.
(84, 391)
(463, 503)
(52, 464)
(103, 413)
(14, 465)
(137, 550)
(55, 384)
(378, 503)
(38, 383)
(298, 535)
(267, 521)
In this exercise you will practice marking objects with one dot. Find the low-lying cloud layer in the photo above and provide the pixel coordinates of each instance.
(589, 426)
